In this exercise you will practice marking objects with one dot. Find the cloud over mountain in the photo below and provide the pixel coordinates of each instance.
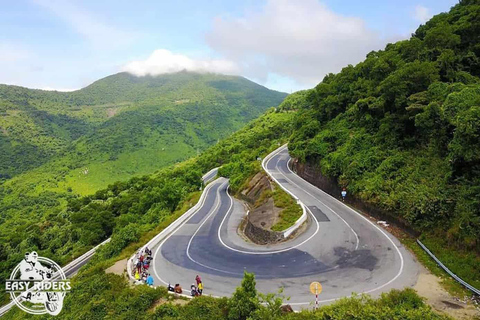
(163, 61)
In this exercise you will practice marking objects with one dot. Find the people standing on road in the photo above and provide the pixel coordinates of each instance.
(149, 280)
(139, 266)
(344, 194)
(200, 288)
(137, 275)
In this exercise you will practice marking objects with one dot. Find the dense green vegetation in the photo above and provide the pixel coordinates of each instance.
(401, 131)
(97, 295)
(134, 211)
(290, 213)
(126, 210)
(120, 126)
(85, 147)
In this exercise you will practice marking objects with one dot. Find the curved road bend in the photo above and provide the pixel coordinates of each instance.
(340, 248)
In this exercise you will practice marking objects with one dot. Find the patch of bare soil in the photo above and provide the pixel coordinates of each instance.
(120, 267)
(111, 112)
(429, 287)
(265, 215)
(171, 299)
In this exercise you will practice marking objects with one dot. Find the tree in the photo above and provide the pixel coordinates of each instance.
(244, 301)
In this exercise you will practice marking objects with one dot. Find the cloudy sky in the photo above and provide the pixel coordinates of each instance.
(286, 45)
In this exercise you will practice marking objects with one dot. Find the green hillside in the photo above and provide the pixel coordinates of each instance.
(401, 131)
(123, 125)
(136, 210)
(58, 145)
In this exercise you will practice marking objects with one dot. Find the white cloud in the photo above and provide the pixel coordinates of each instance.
(421, 14)
(163, 61)
(100, 34)
(303, 40)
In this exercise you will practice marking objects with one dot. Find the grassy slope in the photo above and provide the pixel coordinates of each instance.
(290, 213)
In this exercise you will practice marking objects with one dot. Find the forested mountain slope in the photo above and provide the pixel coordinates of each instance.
(136, 210)
(123, 114)
(401, 130)
(58, 145)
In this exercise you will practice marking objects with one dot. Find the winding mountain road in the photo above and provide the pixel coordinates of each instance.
(340, 248)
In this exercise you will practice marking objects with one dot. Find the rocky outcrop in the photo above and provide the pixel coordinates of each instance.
(260, 235)
(262, 211)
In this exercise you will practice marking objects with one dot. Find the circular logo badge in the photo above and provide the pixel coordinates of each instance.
(38, 285)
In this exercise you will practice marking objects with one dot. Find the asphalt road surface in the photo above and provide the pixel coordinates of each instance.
(340, 248)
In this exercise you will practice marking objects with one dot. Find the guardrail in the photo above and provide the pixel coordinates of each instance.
(206, 177)
(304, 216)
(84, 257)
(466, 285)
(298, 223)
(155, 240)
(168, 230)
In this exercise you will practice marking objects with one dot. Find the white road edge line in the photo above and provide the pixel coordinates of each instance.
(176, 229)
(262, 252)
(376, 227)
(351, 229)
(198, 229)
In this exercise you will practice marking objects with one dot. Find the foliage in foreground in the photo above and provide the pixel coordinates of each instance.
(97, 295)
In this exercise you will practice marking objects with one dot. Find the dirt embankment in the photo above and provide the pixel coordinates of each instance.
(262, 211)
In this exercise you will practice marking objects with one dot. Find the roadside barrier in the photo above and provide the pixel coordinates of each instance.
(454, 276)
(168, 230)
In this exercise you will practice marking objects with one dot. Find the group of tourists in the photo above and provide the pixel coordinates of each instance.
(141, 265)
(195, 290)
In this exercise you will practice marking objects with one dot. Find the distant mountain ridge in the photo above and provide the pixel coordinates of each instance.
(119, 113)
